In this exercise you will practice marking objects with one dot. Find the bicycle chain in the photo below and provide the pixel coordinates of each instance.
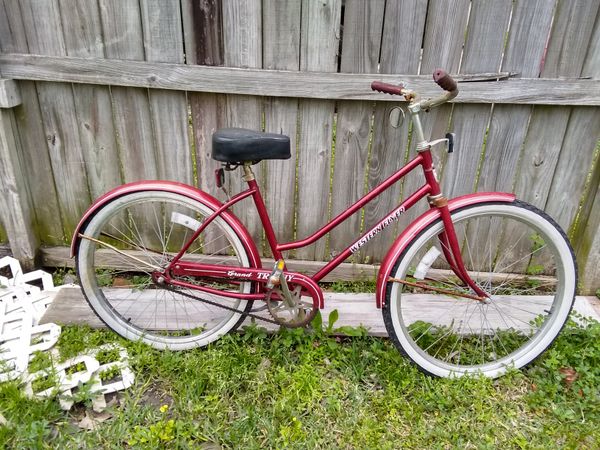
(219, 305)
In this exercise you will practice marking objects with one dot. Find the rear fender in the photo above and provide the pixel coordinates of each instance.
(176, 188)
(420, 224)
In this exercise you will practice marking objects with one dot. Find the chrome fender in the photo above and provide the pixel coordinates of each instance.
(420, 224)
(177, 188)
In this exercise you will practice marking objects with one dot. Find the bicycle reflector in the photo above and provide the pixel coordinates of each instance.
(450, 137)
(220, 177)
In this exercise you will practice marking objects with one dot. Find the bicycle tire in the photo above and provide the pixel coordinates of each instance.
(152, 226)
(525, 312)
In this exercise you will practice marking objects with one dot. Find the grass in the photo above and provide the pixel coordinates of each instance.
(300, 390)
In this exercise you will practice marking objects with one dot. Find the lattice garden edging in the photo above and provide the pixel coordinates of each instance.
(24, 298)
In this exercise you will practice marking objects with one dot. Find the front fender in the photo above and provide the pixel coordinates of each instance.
(177, 188)
(420, 224)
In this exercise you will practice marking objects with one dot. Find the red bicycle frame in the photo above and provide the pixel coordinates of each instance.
(440, 208)
(431, 188)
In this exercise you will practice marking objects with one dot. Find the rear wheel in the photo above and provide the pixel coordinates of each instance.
(131, 236)
(516, 254)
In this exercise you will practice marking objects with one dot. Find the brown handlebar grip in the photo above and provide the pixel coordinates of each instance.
(445, 81)
(387, 88)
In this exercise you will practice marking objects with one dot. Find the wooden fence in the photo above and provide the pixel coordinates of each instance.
(113, 91)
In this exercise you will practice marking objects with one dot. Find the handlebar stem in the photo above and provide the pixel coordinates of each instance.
(417, 105)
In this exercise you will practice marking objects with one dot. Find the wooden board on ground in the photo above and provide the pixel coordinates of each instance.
(70, 308)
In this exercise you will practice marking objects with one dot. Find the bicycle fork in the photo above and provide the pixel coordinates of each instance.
(448, 238)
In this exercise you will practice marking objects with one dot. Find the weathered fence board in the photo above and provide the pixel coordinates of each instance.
(57, 105)
(403, 28)
(36, 159)
(574, 164)
(281, 51)
(163, 42)
(573, 25)
(586, 236)
(82, 29)
(484, 47)
(242, 44)
(587, 246)
(280, 83)
(363, 21)
(566, 58)
(17, 214)
(443, 39)
(530, 25)
(442, 45)
(204, 45)
(320, 34)
(131, 109)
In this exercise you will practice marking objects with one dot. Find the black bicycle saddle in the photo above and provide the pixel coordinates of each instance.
(238, 145)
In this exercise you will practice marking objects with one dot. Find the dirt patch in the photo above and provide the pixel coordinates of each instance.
(156, 396)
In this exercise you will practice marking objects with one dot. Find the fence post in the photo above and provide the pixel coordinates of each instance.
(16, 212)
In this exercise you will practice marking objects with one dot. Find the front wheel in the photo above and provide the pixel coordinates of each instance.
(515, 253)
(123, 245)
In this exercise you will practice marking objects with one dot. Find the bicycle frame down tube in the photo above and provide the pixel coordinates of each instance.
(366, 237)
(415, 162)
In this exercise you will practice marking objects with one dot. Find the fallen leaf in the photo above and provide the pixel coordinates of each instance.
(120, 282)
(91, 421)
(569, 374)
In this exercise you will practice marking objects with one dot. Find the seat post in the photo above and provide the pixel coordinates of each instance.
(249, 178)
(248, 173)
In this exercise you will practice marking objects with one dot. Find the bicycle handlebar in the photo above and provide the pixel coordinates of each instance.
(443, 80)
(386, 88)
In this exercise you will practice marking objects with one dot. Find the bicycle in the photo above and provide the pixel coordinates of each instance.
(478, 283)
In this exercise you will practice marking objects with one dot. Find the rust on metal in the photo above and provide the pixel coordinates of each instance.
(439, 202)
(436, 289)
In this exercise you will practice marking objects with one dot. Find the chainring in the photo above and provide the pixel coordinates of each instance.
(290, 313)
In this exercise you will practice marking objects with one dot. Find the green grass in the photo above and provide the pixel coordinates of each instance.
(298, 390)
(351, 286)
